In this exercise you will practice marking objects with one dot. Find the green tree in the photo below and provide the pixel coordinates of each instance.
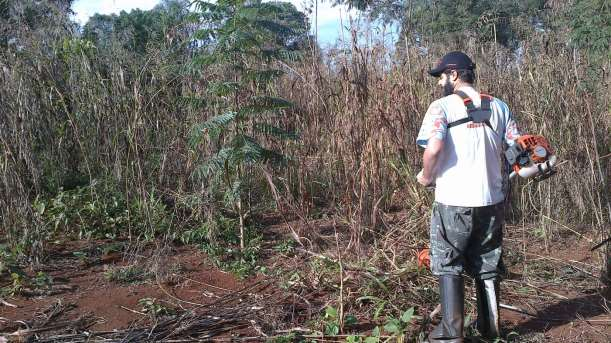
(590, 23)
(137, 30)
(247, 40)
(486, 20)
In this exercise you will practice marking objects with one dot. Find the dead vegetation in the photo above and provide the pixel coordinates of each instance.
(95, 145)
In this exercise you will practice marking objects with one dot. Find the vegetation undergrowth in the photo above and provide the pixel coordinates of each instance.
(189, 124)
(101, 210)
(220, 240)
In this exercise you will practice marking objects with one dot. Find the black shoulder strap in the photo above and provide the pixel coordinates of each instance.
(485, 103)
(466, 100)
(459, 122)
(471, 109)
(486, 107)
(462, 95)
(469, 104)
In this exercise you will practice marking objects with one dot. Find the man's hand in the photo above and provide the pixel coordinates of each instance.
(426, 182)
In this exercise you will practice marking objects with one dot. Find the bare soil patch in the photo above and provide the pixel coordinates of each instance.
(553, 283)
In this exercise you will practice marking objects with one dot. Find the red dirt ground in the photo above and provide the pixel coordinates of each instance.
(115, 304)
(572, 312)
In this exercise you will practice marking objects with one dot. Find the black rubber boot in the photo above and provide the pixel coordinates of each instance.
(488, 323)
(450, 330)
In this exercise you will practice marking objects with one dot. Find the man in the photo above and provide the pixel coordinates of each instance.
(463, 135)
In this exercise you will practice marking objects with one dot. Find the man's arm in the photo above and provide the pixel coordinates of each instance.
(511, 128)
(429, 161)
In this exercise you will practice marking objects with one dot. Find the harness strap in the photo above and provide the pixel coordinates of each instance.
(459, 122)
(471, 109)
(466, 100)
(486, 107)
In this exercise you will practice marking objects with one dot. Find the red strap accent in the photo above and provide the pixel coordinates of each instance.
(481, 95)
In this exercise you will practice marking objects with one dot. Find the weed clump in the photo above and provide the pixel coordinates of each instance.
(101, 210)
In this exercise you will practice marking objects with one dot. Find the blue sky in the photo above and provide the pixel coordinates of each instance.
(328, 17)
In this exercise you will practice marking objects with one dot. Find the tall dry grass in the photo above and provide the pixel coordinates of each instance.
(359, 113)
(71, 113)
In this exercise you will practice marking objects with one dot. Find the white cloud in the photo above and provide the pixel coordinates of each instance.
(330, 18)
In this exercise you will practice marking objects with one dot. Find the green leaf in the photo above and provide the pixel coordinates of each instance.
(194, 101)
(213, 126)
(331, 329)
(379, 310)
(376, 331)
(262, 76)
(262, 104)
(289, 55)
(39, 206)
(393, 326)
(407, 316)
(330, 312)
(350, 320)
(223, 88)
(250, 151)
(192, 18)
(214, 164)
(233, 193)
(204, 34)
(467, 321)
(275, 131)
(203, 61)
(274, 27)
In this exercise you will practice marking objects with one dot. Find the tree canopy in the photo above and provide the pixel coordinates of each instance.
(485, 20)
(590, 23)
(137, 29)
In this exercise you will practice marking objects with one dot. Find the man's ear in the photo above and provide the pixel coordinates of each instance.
(454, 75)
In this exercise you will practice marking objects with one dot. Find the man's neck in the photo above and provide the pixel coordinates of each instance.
(460, 85)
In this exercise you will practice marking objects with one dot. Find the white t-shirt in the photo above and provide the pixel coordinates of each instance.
(470, 168)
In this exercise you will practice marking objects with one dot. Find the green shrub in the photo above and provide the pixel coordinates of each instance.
(220, 240)
(101, 210)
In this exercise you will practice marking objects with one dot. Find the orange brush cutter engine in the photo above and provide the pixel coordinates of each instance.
(531, 156)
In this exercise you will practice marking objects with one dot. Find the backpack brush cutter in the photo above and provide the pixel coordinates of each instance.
(531, 157)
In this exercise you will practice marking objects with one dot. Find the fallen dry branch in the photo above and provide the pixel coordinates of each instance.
(5, 303)
(233, 312)
(81, 323)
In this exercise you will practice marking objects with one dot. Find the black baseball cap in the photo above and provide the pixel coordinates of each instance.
(452, 61)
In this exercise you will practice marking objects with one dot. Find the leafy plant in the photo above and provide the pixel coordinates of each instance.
(397, 326)
(100, 210)
(42, 280)
(497, 21)
(153, 308)
(289, 338)
(126, 274)
(286, 246)
(217, 237)
(8, 261)
(246, 41)
(18, 281)
(331, 321)
(374, 337)
(590, 23)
